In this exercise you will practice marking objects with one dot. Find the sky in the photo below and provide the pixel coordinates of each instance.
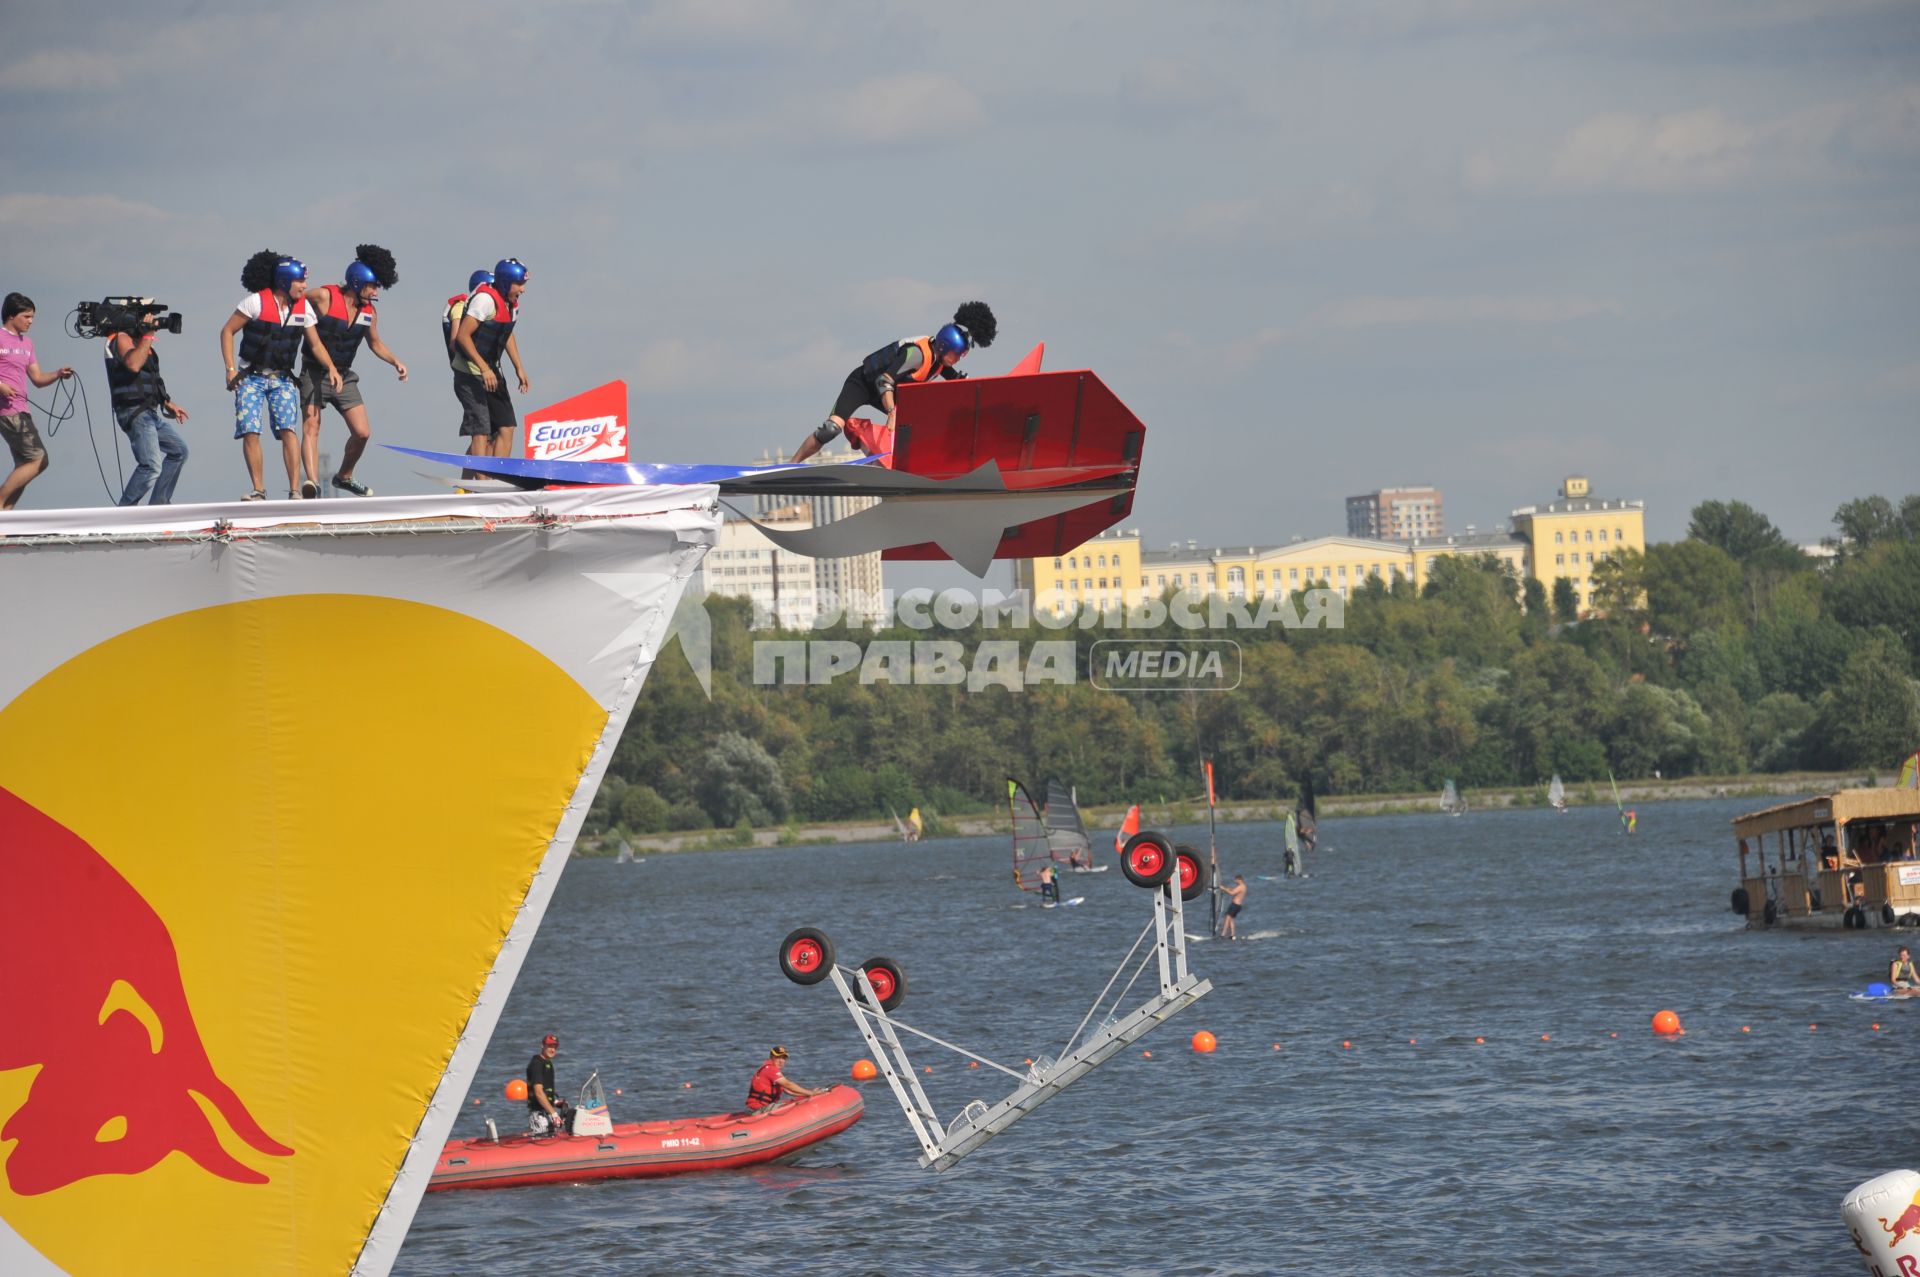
(1319, 247)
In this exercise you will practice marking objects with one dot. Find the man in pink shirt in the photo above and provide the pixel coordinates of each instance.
(18, 366)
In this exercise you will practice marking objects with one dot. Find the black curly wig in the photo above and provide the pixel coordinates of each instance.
(380, 262)
(977, 318)
(258, 272)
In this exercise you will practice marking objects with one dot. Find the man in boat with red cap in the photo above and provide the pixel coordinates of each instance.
(771, 1084)
(546, 1112)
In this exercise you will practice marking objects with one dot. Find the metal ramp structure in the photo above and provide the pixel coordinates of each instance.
(873, 990)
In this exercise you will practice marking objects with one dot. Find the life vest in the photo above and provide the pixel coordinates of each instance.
(446, 318)
(884, 359)
(765, 1087)
(490, 338)
(270, 343)
(1903, 971)
(342, 336)
(133, 391)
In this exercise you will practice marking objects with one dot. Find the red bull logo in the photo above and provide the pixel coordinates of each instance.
(1907, 1221)
(95, 1000)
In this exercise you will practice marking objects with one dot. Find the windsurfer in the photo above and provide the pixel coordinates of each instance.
(1049, 885)
(1236, 898)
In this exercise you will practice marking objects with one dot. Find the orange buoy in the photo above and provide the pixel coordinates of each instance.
(865, 1070)
(477, 1101)
(1346, 1046)
(1545, 1038)
(686, 1086)
(1745, 1029)
(1479, 1041)
(1413, 1041)
(1613, 1035)
(1876, 1028)
(1276, 1046)
(973, 1064)
(1148, 1055)
(1813, 1028)
(1204, 1042)
(1666, 1023)
(517, 1089)
(928, 1069)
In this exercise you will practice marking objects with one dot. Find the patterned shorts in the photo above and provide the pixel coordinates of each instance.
(257, 396)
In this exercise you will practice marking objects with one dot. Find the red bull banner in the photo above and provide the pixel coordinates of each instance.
(587, 427)
(284, 793)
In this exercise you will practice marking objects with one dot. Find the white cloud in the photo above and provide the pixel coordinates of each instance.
(25, 216)
(681, 366)
(1706, 148)
(69, 70)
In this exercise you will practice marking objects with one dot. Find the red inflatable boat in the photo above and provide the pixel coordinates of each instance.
(638, 1150)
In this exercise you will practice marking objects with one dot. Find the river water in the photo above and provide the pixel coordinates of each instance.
(1413, 1150)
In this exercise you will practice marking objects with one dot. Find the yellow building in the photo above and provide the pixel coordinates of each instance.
(1571, 535)
(1115, 568)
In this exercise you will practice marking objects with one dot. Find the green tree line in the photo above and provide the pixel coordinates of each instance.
(1727, 652)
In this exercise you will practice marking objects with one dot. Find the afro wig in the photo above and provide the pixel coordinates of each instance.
(977, 319)
(380, 262)
(257, 274)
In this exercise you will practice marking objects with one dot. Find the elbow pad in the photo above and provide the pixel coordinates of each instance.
(828, 431)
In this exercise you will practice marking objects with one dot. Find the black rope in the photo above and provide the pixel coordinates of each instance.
(61, 411)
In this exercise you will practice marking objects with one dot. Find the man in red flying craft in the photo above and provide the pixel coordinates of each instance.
(909, 361)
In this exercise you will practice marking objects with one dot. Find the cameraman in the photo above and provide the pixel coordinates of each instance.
(144, 410)
(18, 366)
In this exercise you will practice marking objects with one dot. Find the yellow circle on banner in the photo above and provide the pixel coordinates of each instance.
(332, 806)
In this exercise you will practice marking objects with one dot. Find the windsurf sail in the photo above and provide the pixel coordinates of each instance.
(915, 826)
(1309, 815)
(1128, 828)
(1910, 771)
(1213, 854)
(1031, 851)
(1066, 832)
(1557, 793)
(1450, 799)
(1293, 834)
(626, 853)
(900, 826)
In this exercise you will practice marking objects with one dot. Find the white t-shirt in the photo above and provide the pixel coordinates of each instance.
(481, 306)
(302, 315)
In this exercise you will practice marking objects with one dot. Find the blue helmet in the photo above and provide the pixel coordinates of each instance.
(286, 270)
(359, 276)
(478, 278)
(952, 337)
(509, 271)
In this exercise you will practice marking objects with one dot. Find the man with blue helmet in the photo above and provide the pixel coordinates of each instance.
(907, 361)
(345, 317)
(485, 332)
(456, 306)
(273, 321)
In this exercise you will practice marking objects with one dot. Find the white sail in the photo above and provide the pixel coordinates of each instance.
(1450, 799)
(1557, 793)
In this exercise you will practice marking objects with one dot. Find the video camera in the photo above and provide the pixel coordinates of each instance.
(130, 315)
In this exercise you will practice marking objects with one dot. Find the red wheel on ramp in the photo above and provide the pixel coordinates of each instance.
(806, 955)
(888, 980)
(1192, 872)
(1147, 860)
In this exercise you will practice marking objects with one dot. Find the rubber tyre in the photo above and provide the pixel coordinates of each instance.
(1853, 918)
(1770, 914)
(1740, 901)
(806, 955)
(1147, 860)
(888, 981)
(1887, 915)
(1190, 872)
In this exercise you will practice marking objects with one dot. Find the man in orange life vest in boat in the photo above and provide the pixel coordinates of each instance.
(909, 360)
(770, 1083)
